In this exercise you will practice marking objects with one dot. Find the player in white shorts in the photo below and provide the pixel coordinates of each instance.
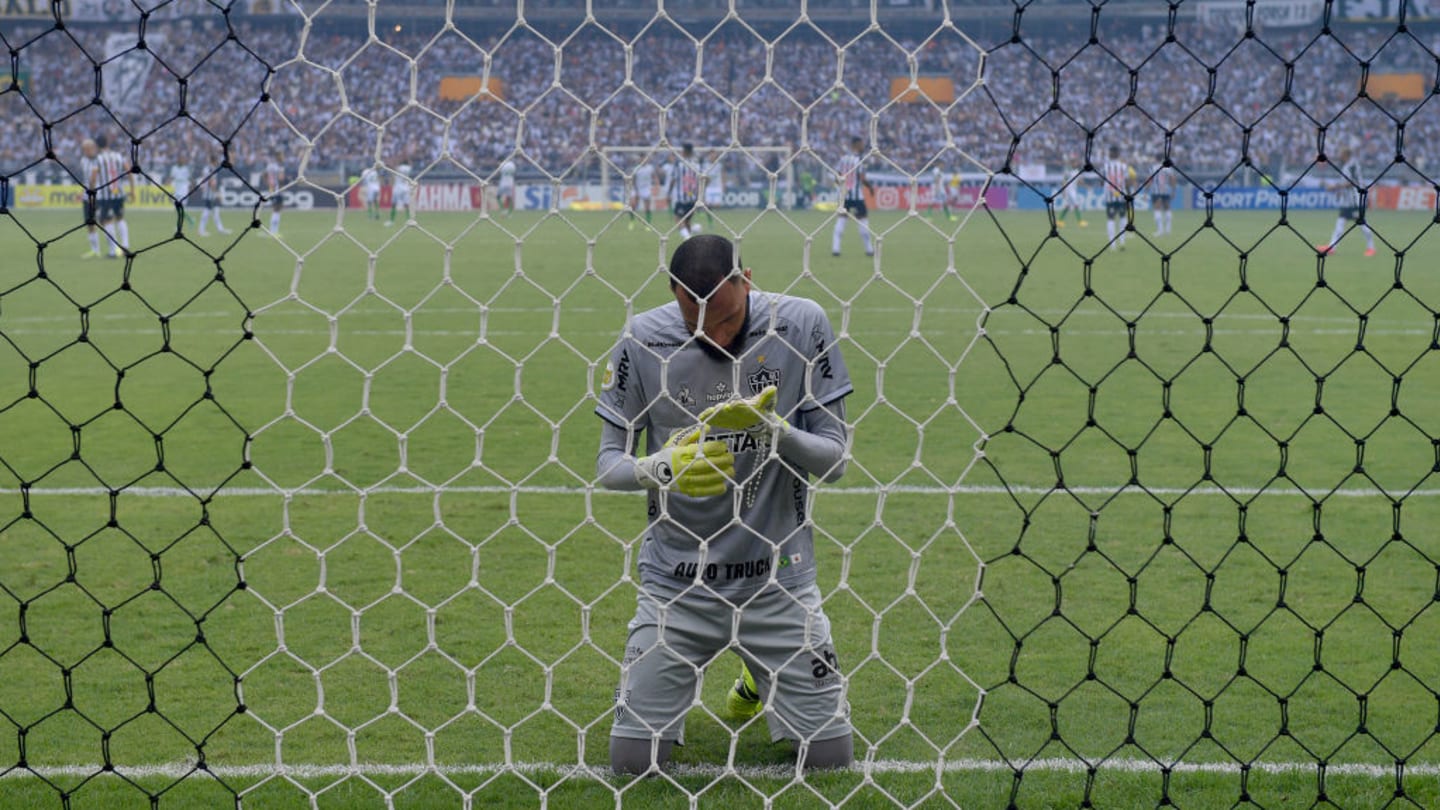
(507, 186)
(939, 193)
(370, 191)
(210, 205)
(89, 154)
(274, 179)
(667, 176)
(736, 421)
(1072, 199)
(644, 191)
(1162, 186)
(402, 189)
(180, 181)
(714, 182)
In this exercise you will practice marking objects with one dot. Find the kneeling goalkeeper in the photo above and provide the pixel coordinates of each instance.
(740, 396)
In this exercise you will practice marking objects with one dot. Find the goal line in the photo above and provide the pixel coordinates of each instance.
(899, 489)
(176, 770)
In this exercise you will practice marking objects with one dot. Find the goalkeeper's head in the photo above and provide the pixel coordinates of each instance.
(713, 292)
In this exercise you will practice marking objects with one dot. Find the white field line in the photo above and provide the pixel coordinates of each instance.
(475, 333)
(175, 770)
(476, 310)
(899, 489)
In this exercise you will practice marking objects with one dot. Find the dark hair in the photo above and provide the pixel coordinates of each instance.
(702, 263)
(1114, 151)
(687, 147)
(102, 141)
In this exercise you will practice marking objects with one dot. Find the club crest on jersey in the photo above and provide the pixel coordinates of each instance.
(763, 378)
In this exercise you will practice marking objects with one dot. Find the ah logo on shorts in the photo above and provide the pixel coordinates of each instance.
(763, 378)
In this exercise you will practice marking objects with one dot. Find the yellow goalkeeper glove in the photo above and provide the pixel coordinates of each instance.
(688, 464)
(755, 415)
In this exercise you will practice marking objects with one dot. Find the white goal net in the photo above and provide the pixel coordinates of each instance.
(298, 447)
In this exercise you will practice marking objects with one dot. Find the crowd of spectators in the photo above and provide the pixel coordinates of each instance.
(341, 99)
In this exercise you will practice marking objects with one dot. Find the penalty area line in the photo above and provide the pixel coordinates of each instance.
(176, 770)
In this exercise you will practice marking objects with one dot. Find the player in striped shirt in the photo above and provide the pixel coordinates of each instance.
(274, 179)
(209, 200)
(684, 190)
(853, 185)
(1119, 180)
(88, 153)
(108, 177)
(180, 181)
(1347, 185)
(1162, 189)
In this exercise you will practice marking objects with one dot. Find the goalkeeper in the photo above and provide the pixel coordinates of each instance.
(740, 396)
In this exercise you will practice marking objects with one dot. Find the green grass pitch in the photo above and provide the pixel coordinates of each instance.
(439, 586)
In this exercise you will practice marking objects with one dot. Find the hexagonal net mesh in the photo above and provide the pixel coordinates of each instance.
(1099, 470)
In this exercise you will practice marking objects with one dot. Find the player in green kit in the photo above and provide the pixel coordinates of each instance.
(739, 396)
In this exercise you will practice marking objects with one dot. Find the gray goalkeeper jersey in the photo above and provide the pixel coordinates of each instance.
(659, 380)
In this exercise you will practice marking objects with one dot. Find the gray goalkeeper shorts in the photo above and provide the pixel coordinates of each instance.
(783, 637)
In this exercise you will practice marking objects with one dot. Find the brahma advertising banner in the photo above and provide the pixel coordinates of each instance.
(428, 197)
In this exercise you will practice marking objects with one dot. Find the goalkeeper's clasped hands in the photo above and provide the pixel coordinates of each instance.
(699, 468)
